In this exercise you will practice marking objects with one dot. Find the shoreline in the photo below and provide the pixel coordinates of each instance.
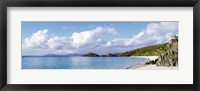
(142, 66)
(147, 57)
(154, 67)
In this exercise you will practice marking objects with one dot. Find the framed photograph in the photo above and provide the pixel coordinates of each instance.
(99, 45)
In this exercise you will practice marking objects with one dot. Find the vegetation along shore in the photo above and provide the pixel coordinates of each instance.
(159, 55)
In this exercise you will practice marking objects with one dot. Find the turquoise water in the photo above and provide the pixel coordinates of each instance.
(79, 62)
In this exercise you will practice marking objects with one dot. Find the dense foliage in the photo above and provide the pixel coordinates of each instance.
(154, 50)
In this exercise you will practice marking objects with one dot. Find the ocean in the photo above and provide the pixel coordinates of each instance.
(77, 62)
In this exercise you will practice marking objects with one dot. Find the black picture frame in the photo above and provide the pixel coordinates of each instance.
(99, 3)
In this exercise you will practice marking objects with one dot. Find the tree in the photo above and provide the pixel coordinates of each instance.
(175, 37)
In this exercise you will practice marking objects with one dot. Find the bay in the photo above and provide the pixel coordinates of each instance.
(77, 62)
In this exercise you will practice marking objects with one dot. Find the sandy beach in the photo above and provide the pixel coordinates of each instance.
(149, 57)
(152, 67)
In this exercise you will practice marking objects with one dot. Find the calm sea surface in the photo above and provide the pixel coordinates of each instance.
(79, 62)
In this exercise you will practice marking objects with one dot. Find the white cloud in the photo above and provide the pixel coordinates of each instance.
(37, 39)
(90, 37)
(161, 28)
(58, 42)
(154, 33)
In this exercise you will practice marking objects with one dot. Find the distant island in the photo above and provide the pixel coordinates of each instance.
(66, 55)
(91, 54)
(53, 55)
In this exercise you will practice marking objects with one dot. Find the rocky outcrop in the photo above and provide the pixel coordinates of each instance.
(150, 62)
(170, 57)
(91, 55)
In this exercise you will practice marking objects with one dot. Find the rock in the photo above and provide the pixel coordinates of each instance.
(150, 62)
(170, 57)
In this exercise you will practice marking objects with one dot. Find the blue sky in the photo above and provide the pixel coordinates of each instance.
(40, 38)
(126, 29)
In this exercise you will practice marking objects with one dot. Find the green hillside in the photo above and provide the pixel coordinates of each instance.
(153, 50)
